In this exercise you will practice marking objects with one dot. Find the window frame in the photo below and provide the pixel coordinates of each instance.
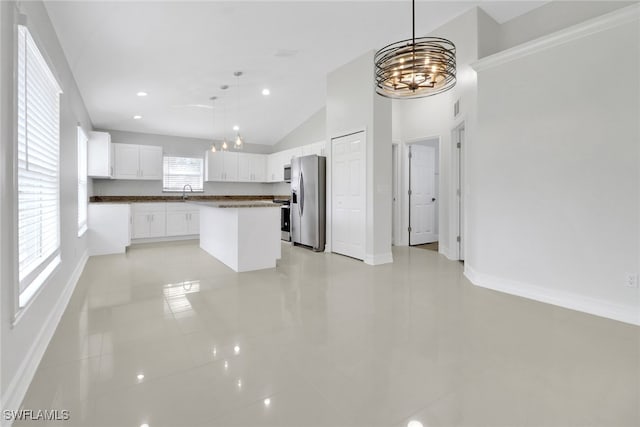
(36, 277)
(82, 150)
(179, 190)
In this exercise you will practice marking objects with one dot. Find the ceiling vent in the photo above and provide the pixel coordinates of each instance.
(286, 53)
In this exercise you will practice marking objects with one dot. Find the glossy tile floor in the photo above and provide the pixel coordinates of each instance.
(168, 336)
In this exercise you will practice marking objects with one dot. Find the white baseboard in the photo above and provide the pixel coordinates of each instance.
(444, 250)
(378, 259)
(20, 382)
(622, 313)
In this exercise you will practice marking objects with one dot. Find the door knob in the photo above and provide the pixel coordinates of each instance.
(433, 199)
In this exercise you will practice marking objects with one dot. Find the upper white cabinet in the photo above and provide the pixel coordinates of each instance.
(315, 148)
(275, 166)
(137, 161)
(221, 166)
(249, 167)
(252, 167)
(100, 155)
(150, 162)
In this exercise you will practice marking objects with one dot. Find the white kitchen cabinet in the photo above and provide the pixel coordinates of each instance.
(126, 161)
(252, 167)
(271, 167)
(148, 220)
(221, 166)
(99, 155)
(230, 162)
(213, 166)
(244, 167)
(150, 161)
(183, 219)
(109, 228)
(137, 161)
(307, 150)
(276, 165)
(316, 148)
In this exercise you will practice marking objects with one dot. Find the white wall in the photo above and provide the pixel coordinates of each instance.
(353, 105)
(314, 129)
(554, 214)
(179, 146)
(22, 343)
(552, 16)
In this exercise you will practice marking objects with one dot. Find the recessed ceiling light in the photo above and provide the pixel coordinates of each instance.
(236, 128)
(414, 423)
(236, 349)
(137, 117)
(140, 377)
(267, 402)
(144, 425)
(266, 91)
(142, 93)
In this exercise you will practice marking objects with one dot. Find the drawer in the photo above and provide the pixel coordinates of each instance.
(180, 207)
(149, 207)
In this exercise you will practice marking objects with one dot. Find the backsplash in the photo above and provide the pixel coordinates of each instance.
(120, 187)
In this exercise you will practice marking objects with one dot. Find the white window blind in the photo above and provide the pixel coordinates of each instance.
(180, 171)
(38, 168)
(82, 182)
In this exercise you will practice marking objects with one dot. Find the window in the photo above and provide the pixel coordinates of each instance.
(38, 168)
(82, 182)
(180, 171)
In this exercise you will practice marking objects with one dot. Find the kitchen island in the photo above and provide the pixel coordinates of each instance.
(244, 235)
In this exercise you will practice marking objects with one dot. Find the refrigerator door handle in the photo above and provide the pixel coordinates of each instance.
(301, 204)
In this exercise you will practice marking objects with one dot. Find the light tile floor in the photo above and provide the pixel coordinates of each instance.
(168, 336)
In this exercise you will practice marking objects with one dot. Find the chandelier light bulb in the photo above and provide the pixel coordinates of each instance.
(402, 68)
(225, 145)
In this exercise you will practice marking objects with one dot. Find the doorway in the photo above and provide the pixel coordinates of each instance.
(395, 193)
(424, 193)
(457, 137)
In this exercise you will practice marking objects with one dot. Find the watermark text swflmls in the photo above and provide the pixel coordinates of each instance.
(36, 415)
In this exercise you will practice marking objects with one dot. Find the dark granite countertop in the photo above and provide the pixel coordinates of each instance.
(235, 204)
(191, 198)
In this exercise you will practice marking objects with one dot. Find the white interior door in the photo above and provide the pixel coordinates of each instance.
(422, 197)
(348, 195)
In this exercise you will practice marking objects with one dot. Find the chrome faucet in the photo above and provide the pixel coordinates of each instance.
(184, 191)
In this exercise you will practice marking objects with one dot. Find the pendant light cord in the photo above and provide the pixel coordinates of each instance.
(413, 44)
(413, 19)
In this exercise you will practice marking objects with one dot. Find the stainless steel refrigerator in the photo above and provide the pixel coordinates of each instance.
(308, 195)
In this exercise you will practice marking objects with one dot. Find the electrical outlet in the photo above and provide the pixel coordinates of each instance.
(631, 280)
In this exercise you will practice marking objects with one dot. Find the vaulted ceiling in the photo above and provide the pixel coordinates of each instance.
(180, 53)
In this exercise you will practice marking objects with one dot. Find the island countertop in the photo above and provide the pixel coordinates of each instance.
(237, 204)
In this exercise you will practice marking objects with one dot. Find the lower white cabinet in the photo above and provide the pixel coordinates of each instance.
(182, 219)
(152, 220)
(109, 228)
(148, 220)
